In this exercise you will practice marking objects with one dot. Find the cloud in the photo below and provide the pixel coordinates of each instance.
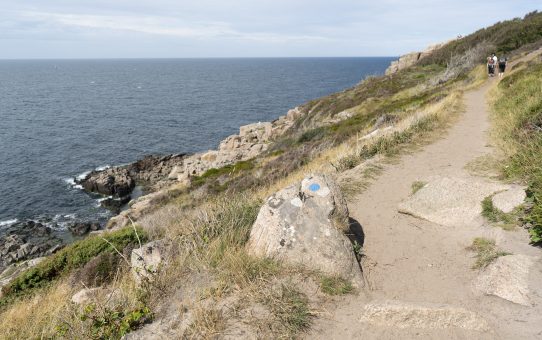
(159, 25)
(233, 28)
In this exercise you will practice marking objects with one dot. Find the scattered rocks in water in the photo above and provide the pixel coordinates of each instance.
(27, 240)
(82, 228)
(115, 204)
(304, 224)
(112, 182)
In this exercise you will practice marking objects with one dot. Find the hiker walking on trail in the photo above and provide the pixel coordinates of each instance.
(502, 66)
(491, 61)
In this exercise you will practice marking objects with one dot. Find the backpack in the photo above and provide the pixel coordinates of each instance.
(491, 61)
(502, 60)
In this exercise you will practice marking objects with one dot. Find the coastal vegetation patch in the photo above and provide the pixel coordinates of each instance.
(517, 107)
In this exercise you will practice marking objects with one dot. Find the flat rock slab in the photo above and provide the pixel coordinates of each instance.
(423, 316)
(508, 200)
(450, 201)
(507, 278)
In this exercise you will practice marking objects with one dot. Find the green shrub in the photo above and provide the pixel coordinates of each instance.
(107, 322)
(69, 258)
(214, 173)
(505, 36)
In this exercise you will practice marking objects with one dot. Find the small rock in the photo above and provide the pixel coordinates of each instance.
(79, 229)
(86, 294)
(508, 200)
(507, 278)
(115, 204)
(146, 261)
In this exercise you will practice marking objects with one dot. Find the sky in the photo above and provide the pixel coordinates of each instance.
(239, 28)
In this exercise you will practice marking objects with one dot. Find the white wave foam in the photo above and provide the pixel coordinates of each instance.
(83, 175)
(102, 168)
(99, 200)
(8, 222)
(72, 184)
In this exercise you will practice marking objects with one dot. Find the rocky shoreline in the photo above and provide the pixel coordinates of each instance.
(156, 175)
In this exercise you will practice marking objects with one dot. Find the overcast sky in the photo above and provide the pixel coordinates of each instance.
(239, 28)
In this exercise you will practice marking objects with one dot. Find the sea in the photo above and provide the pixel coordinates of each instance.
(60, 119)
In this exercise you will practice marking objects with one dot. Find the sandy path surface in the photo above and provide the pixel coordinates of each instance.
(419, 272)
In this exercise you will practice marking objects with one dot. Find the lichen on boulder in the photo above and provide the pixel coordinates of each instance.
(304, 224)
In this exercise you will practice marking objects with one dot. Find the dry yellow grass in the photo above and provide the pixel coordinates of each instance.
(38, 316)
(209, 238)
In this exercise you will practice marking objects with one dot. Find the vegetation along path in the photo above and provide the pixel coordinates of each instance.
(422, 280)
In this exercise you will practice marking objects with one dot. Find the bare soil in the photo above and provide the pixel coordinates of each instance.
(419, 274)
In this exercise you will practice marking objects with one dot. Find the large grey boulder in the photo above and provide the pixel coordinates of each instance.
(507, 278)
(304, 224)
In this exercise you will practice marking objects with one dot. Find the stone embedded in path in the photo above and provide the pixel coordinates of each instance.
(507, 278)
(450, 201)
(507, 201)
(304, 224)
(424, 316)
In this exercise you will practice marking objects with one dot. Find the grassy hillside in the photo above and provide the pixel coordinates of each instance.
(209, 279)
(518, 114)
(502, 38)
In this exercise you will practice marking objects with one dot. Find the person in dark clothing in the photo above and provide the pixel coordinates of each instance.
(502, 66)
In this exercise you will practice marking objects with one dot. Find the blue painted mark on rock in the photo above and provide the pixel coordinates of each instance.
(314, 187)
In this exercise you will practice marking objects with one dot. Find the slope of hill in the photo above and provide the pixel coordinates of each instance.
(208, 286)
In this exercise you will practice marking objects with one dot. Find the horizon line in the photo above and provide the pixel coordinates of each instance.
(191, 58)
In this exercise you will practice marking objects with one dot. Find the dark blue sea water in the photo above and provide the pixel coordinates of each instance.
(60, 118)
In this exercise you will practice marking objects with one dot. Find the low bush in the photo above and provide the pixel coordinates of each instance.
(69, 258)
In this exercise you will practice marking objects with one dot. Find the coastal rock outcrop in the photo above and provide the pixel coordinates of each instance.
(304, 224)
(26, 240)
(412, 58)
(252, 140)
(152, 169)
(112, 181)
(13, 270)
(81, 228)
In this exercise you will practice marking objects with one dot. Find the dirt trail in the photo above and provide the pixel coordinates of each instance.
(419, 273)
